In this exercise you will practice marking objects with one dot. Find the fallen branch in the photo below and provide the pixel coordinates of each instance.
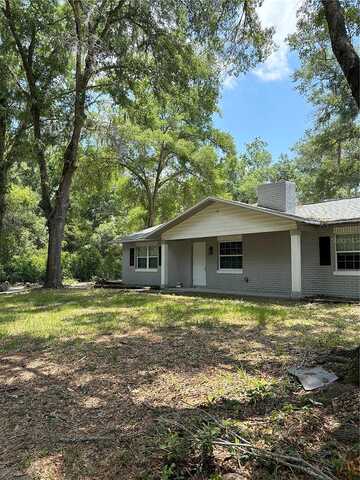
(237, 442)
(85, 439)
(297, 463)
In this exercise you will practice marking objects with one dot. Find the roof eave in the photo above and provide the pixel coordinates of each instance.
(154, 235)
(132, 240)
(348, 220)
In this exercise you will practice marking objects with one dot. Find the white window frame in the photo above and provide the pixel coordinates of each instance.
(148, 256)
(236, 271)
(345, 272)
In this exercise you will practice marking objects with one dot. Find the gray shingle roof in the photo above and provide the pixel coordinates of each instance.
(333, 211)
(132, 237)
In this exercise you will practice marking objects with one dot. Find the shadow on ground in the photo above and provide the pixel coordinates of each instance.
(91, 408)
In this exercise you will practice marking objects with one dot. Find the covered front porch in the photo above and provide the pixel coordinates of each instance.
(211, 292)
(255, 264)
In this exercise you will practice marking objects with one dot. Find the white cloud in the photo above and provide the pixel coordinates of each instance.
(229, 81)
(280, 14)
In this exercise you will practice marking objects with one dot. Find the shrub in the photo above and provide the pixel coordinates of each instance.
(67, 265)
(27, 267)
(89, 262)
(3, 275)
(86, 263)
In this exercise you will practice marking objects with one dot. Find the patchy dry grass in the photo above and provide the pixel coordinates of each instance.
(86, 378)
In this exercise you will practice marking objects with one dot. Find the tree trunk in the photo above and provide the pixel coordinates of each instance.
(343, 50)
(151, 216)
(4, 170)
(56, 221)
(53, 267)
(55, 212)
(339, 154)
(151, 209)
(3, 191)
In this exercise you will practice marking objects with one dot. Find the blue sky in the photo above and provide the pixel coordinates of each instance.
(264, 102)
(272, 110)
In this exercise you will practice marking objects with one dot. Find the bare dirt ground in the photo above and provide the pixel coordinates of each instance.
(89, 407)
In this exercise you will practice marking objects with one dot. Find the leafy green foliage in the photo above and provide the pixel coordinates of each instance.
(327, 158)
(27, 267)
(319, 77)
(23, 239)
(67, 51)
(251, 169)
(167, 144)
(329, 168)
(148, 147)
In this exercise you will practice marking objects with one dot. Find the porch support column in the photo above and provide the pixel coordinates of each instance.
(164, 264)
(295, 236)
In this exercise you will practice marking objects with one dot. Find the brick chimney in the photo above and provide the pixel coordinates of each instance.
(278, 196)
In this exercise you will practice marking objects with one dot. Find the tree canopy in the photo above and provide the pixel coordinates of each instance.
(107, 121)
(69, 54)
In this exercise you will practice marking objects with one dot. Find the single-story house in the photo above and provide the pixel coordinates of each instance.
(274, 248)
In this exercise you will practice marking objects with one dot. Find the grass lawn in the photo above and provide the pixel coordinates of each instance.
(96, 384)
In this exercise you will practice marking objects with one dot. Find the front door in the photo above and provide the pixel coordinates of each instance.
(199, 264)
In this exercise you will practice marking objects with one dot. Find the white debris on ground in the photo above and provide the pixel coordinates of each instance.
(312, 378)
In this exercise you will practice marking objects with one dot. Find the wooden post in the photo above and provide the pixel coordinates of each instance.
(295, 236)
(164, 264)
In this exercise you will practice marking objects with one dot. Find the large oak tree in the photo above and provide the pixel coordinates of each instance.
(342, 47)
(71, 51)
(328, 157)
(168, 139)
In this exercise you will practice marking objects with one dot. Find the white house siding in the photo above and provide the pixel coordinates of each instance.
(320, 279)
(219, 219)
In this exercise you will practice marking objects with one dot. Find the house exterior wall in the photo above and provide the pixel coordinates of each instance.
(320, 279)
(129, 274)
(180, 263)
(266, 266)
(219, 219)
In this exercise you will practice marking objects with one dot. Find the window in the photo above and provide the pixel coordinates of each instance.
(230, 257)
(348, 252)
(324, 251)
(147, 258)
(153, 257)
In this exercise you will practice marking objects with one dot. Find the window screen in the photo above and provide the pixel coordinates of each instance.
(348, 252)
(147, 257)
(230, 255)
(141, 257)
(153, 257)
